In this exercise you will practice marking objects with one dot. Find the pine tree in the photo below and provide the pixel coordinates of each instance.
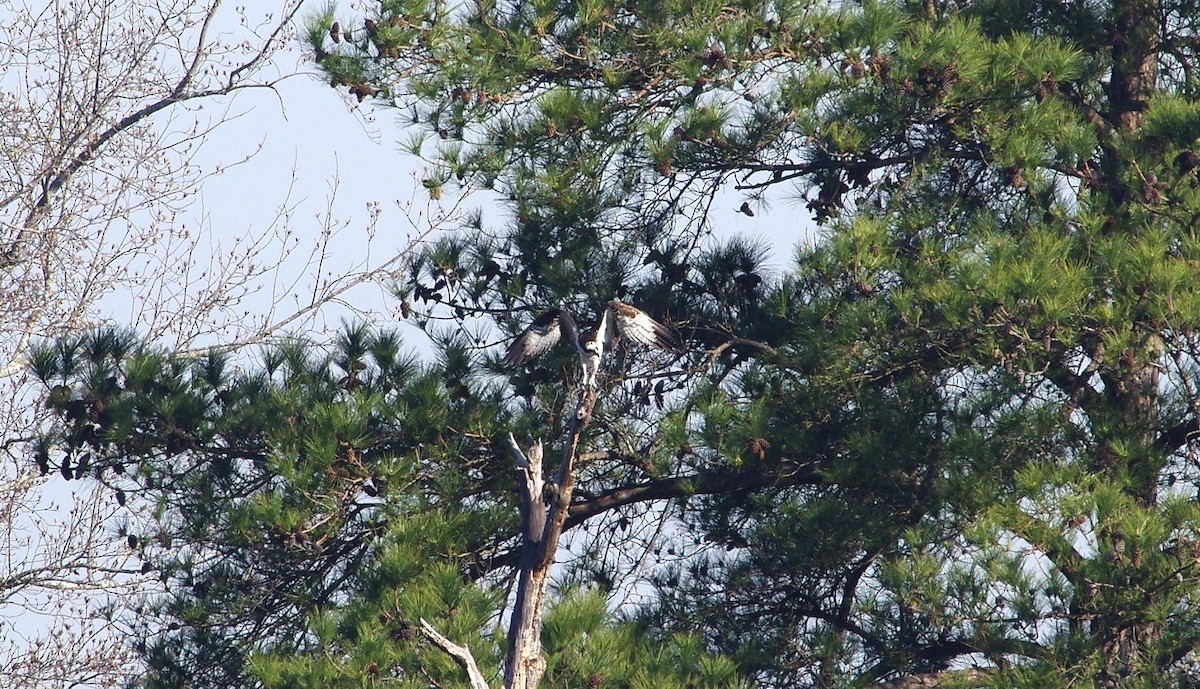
(958, 433)
(952, 445)
(311, 512)
(268, 497)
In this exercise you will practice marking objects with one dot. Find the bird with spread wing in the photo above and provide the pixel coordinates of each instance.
(617, 319)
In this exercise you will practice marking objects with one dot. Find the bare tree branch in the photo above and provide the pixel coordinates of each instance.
(100, 125)
(460, 653)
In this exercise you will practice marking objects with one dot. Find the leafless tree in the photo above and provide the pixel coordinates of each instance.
(101, 119)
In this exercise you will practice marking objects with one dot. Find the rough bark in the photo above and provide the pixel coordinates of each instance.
(544, 513)
(1131, 382)
(462, 654)
(1135, 59)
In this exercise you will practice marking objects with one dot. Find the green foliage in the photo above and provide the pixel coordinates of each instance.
(952, 442)
(969, 400)
(306, 511)
(279, 490)
(587, 648)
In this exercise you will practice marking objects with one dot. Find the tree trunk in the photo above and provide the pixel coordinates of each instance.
(543, 513)
(1135, 25)
(1131, 381)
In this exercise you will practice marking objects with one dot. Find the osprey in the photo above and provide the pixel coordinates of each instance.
(616, 320)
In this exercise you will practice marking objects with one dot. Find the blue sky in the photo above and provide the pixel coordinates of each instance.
(327, 157)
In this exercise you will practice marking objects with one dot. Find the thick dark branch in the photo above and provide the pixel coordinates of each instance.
(787, 474)
(1171, 439)
(853, 577)
(782, 172)
(741, 342)
(944, 653)
(840, 622)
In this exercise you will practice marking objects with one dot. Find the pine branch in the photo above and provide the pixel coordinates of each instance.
(788, 474)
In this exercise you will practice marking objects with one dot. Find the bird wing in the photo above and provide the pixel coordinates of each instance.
(542, 334)
(637, 326)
